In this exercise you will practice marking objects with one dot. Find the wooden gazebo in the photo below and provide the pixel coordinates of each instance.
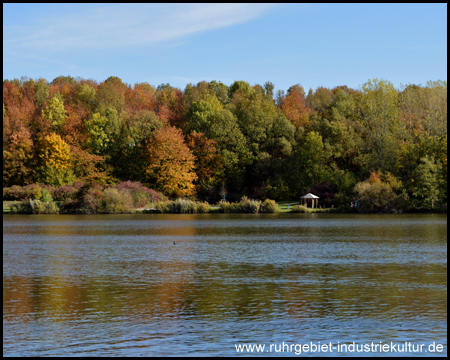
(314, 198)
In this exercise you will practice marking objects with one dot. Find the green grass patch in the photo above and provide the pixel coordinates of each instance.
(286, 206)
(7, 205)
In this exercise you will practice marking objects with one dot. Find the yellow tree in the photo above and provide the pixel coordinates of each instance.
(55, 161)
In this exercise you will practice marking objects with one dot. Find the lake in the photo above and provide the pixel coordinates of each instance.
(208, 284)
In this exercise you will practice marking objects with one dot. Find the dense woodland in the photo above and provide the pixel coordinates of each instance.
(382, 147)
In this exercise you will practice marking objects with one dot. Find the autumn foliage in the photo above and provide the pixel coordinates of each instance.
(171, 164)
(212, 140)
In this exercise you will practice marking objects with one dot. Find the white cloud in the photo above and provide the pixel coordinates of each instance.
(123, 25)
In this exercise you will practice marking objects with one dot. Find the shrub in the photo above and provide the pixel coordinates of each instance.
(202, 207)
(163, 206)
(116, 202)
(375, 197)
(245, 205)
(22, 208)
(16, 193)
(31, 206)
(65, 192)
(141, 195)
(46, 196)
(41, 207)
(70, 206)
(248, 206)
(85, 188)
(225, 207)
(269, 206)
(37, 193)
(182, 206)
(31, 191)
(299, 209)
(91, 200)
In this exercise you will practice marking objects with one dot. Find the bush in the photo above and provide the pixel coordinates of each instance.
(91, 200)
(141, 195)
(31, 191)
(246, 205)
(225, 207)
(17, 193)
(269, 206)
(22, 208)
(202, 207)
(70, 206)
(41, 207)
(37, 193)
(182, 206)
(65, 192)
(116, 202)
(46, 196)
(31, 206)
(163, 206)
(378, 194)
(299, 209)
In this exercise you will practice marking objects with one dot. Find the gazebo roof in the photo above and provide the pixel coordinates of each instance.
(309, 196)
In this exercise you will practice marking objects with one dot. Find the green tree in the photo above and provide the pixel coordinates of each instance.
(220, 90)
(208, 116)
(436, 108)
(307, 166)
(269, 86)
(55, 113)
(41, 92)
(87, 94)
(379, 115)
(428, 182)
(410, 117)
(110, 94)
(98, 138)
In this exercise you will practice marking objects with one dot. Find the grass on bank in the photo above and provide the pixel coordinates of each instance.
(7, 205)
(114, 205)
(125, 198)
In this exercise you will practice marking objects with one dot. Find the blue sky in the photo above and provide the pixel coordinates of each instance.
(309, 44)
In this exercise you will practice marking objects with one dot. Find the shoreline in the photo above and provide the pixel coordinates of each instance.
(216, 209)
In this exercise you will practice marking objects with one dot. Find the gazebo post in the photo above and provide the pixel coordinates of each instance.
(313, 197)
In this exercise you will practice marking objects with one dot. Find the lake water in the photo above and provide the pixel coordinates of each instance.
(200, 285)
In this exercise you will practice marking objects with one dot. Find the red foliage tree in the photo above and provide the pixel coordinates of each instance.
(208, 161)
(294, 107)
(171, 107)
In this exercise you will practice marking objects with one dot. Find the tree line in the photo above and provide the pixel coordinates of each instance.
(381, 147)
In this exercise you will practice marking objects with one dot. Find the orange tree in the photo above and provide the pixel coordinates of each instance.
(171, 164)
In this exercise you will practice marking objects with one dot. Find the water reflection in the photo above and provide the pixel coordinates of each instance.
(118, 285)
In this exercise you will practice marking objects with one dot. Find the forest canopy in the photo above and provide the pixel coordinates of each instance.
(377, 145)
